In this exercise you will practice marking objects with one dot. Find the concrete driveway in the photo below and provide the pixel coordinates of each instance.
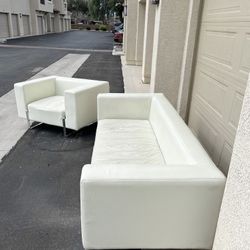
(39, 178)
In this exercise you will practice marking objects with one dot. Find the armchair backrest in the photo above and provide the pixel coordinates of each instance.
(64, 83)
(33, 90)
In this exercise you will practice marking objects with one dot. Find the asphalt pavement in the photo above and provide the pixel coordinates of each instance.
(39, 178)
(18, 63)
(81, 39)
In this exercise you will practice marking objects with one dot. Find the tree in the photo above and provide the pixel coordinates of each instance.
(119, 8)
(102, 9)
(94, 8)
(78, 6)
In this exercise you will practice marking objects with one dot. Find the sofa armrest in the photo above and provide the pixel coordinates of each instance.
(133, 172)
(164, 207)
(33, 90)
(81, 104)
(124, 106)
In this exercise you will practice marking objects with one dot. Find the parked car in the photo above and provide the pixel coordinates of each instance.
(117, 23)
(95, 22)
(118, 36)
(117, 28)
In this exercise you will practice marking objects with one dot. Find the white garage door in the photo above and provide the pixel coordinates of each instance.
(69, 24)
(66, 25)
(4, 25)
(223, 64)
(40, 25)
(26, 25)
(52, 24)
(62, 25)
(14, 19)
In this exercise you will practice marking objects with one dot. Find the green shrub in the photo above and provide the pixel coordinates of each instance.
(103, 27)
(97, 27)
(88, 28)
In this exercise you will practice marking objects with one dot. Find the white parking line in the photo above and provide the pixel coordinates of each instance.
(12, 128)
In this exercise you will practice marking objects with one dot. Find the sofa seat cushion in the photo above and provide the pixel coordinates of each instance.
(126, 142)
(49, 110)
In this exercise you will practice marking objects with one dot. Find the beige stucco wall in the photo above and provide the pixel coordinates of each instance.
(233, 230)
(176, 25)
(141, 8)
(61, 6)
(189, 54)
(131, 31)
(169, 41)
(19, 8)
(47, 7)
(33, 9)
(148, 42)
(13, 6)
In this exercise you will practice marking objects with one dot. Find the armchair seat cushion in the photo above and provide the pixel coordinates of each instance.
(124, 141)
(49, 110)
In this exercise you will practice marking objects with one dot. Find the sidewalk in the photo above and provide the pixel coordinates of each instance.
(132, 78)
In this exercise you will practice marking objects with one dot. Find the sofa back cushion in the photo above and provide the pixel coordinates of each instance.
(64, 83)
(170, 131)
(131, 106)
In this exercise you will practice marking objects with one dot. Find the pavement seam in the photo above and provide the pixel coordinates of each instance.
(55, 48)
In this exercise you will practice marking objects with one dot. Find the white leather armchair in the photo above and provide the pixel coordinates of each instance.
(59, 101)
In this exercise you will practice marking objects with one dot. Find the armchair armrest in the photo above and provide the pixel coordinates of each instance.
(33, 90)
(161, 205)
(124, 106)
(81, 104)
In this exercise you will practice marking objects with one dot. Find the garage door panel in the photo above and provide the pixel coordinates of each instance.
(227, 119)
(4, 25)
(221, 7)
(245, 59)
(211, 92)
(206, 133)
(219, 47)
(53, 24)
(226, 10)
(15, 27)
(223, 65)
(234, 115)
(233, 78)
(62, 28)
(26, 25)
(224, 160)
(40, 25)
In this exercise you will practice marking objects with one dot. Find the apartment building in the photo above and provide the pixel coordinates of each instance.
(196, 52)
(33, 17)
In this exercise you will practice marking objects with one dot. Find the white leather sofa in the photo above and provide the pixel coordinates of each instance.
(59, 101)
(150, 183)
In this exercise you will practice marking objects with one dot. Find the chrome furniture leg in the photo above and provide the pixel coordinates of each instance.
(27, 117)
(64, 126)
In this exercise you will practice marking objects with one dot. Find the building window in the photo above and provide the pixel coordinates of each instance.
(42, 1)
